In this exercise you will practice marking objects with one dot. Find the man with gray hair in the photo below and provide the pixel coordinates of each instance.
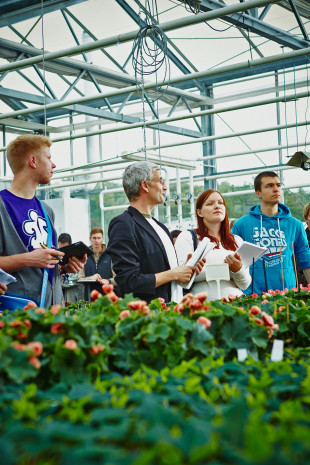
(141, 248)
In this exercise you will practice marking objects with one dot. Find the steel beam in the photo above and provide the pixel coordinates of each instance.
(130, 36)
(256, 26)
(12, 11)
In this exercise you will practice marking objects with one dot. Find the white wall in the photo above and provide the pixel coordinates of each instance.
(71, 216)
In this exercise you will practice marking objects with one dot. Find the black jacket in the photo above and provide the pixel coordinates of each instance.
(103, 267)
(137, 254)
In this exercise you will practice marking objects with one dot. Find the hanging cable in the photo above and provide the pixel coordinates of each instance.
(43, 65)
(147, 58)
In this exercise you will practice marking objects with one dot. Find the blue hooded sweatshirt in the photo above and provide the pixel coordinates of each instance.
(281, 234)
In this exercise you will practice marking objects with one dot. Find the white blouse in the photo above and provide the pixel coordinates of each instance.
(239, 280)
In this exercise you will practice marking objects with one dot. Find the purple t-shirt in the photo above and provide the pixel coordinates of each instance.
(29, 221)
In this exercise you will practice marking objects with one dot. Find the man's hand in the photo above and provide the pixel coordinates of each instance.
(3, 288)
(234, 262)
(74, 264)
(44, 258)
(104, 281)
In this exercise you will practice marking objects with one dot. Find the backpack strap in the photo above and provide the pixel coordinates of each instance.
(194, 237)
(48, 244)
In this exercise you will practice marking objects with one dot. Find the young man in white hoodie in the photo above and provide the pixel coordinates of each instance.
(271, 225)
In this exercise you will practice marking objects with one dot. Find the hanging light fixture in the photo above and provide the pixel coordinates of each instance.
(301, 160)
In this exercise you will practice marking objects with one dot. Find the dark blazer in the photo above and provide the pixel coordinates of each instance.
(137, 253)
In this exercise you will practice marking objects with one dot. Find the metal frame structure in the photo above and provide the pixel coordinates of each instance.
(112, 108)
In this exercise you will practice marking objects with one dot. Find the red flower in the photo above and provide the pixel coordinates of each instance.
(232, 297)
(94, 295)
(136, 304)
(205, 321)
(36, 347)
(267, 319)
(107, 288)
(124, 314)
(27, 323)
(202, 296)
(259, 322)
(56, 328)
(97, 349)
(70, 344)
(2, 324)
(255, 310)
(55, 309)
(35, 362)
(22, 335)
(223, 299)
(254, 295)
(162, 301)
(16, 324)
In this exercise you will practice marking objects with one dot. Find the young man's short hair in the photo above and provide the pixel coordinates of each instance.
(96, 231)
(20, 148)
(260, 176)
(64, 238)
(306, 210)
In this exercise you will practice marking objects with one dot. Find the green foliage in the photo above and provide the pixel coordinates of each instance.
(156, 387)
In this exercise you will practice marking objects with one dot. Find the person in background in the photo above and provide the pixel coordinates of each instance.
(98, 265)
(212, 222)
(175, 234)
(141, 248)
(24, 225)
(232, 222)
(271, 225)
(64, 239)
(301, 277)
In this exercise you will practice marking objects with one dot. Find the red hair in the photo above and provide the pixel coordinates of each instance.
(227, 238)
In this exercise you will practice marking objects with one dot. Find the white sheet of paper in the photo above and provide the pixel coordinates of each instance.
(203, 248)
(6, 278)
(248, 251)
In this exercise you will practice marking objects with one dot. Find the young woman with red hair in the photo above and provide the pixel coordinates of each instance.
(213, 223)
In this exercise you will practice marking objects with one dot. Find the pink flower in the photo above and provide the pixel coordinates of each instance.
(196, 304)
(202, 296)
(97, 349)
(280, 309)
(124, 314)
(231, 297)
(55, 309)
(30, 305)
(40, 310)
(112, 296)
(107, 288)
(265, 302)
(19, 346)
(136, 304)
(259, 322)
(145, 309)
(56, 328)
(267, 319)
(275, 327)
(36, 347)
(254, 295)
(205, 321)
(270, 332)
(70, 344)
(206, 307)
(2, 324)
(255, 310)
(179, 308)
(35, 362)
(22, 335)
(162, 301)
(223, 299)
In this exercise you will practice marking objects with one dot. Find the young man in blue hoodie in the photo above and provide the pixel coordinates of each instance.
(271, 225)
